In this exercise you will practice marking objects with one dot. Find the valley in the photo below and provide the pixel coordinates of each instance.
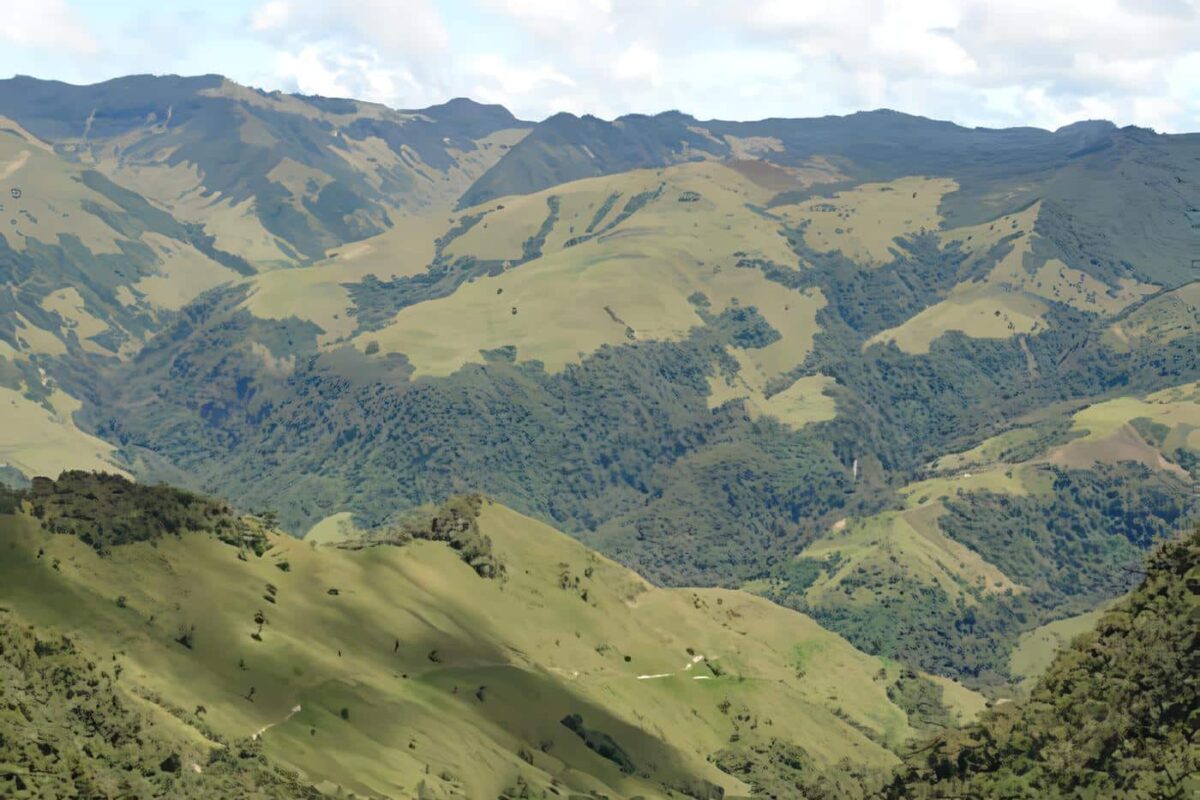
(645, 457)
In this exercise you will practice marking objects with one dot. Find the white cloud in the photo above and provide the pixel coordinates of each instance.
(499, 81)
(1042, 62)
(46, 24)
(557, 18)
(398, 27)
(270, 16)
(638, 62)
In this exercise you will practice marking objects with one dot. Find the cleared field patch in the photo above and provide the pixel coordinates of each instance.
(906, 545)
(1015, 479)
(636, 279)
(985, 313)
(863, 221)
(987, 453)
(803, 402)
(749, 159)
(964, 703)
(41, 441)
(1038, 647)
(1109, 434)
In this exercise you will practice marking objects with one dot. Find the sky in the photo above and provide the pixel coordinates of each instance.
(1016, 62)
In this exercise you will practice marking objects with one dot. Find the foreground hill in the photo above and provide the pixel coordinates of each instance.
(473, 652)
(1115, 715)
(469, 652)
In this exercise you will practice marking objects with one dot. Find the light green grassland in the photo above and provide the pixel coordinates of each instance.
(633, 282)
(1012, 299)
(413, 634)
(1037, 648)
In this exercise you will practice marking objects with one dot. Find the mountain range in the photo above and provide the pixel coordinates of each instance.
(651, 456)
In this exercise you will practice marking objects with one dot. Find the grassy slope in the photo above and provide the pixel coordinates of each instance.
(57, 204)
(1037, 648)
(277, 178)
(894, 557)
(631, 281)
(88, 274)
(1012, 298)
(414, 711)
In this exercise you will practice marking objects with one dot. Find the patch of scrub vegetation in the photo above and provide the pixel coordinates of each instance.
(105, 511)
(455, 522)
(600, 743)
(71, 727)
(921, 699)
(776, 768)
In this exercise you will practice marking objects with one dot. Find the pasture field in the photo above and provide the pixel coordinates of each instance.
(383, 668)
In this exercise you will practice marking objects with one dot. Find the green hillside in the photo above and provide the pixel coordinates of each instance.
(408, 659)
(1114, 715)
(801, 437)
(278, 178)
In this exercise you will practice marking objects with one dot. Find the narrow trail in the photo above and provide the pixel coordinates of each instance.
(295, 710)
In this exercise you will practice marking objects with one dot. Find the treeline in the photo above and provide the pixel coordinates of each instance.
(106, 510)
(1116, 715)
(620, 449)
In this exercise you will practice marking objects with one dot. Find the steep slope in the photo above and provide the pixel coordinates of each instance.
(89, 272)
(390, 665)
(69, 727)
(277, 178)
(1114, 716)
(1038, 524)
(819, 358)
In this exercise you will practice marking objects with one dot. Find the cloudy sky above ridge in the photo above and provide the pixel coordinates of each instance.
(1016, 62)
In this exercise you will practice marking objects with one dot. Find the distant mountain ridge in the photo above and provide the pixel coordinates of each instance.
(297, 175)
